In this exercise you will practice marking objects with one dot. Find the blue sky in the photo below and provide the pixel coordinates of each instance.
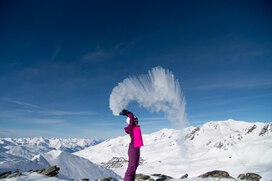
(60, 60)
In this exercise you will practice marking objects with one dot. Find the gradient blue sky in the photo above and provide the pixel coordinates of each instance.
(59, 61)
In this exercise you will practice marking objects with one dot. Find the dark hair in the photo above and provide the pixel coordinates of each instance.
(124, 112)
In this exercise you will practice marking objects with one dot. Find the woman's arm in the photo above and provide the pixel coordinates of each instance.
(129, 128)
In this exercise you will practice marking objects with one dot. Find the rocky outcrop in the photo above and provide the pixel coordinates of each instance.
(9, 174)
(191, 135)
(141, 176)
(216, 174)
(249, 176)
(50, 172)
(107, 179)
(161, 177)
(117, 162)
(15, 174)
(5, 174)
(251, 129)
(266, 129)
(184, 176)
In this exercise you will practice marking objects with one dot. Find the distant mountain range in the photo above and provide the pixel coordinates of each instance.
(234, 146)
(27, 154)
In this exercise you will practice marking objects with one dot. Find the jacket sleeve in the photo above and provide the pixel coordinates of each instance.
(129, 128)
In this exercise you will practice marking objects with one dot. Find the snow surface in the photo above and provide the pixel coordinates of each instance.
(222, 145)
(234, 146)
(75, 167)
(35, 176)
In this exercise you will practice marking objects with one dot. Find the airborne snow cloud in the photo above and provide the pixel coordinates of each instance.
(156, 91)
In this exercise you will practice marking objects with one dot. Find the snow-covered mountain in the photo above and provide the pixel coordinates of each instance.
(14, 149)
(234, 146)
(75, 167)
(41, 144)
(27, 154)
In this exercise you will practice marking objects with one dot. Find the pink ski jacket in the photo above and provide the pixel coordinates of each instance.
(134, 131)
(138, 140)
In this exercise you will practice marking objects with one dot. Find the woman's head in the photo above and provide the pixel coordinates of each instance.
(124, 112)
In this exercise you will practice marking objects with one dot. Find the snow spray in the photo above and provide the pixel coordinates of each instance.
(157, 91)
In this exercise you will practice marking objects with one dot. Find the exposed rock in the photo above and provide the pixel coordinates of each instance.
(5, 174)
(192, 134)
(249, 176)
(51, 172)
(15, 174)
(85, 179)
(141, 176)
(219, 145)
(264, 130)
(251, 129)
(216, 174)
(162, 177)
(37, 171)
(184, 176)
(107, 179)
(117, 162)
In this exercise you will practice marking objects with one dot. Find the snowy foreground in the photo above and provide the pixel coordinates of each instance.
(233, 146)
(38, 177)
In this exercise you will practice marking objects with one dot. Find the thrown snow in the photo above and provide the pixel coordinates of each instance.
(156, 91)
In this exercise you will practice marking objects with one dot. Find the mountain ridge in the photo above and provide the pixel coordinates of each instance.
(214, 145)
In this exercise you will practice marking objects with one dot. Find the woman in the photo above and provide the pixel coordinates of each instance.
(134, 147)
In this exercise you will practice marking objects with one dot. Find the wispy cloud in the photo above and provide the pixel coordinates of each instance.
(45, 111)
(47, 121)
(67, 113)
(234, 85)
(20, 103)
(101, 54)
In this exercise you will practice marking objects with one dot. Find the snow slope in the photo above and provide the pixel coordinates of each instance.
(233, 146)
(75, 167)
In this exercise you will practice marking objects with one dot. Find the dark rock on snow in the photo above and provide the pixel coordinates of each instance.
(107, 179)
(162, 177)
(251, 129)
(5, 174)
(15, 174)
(249, 176)
(191, 135)
(141, 176)
(51, 171)
(216, 174)
(184, 176)
(9, 174)
(117, 162)
(37, 171)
